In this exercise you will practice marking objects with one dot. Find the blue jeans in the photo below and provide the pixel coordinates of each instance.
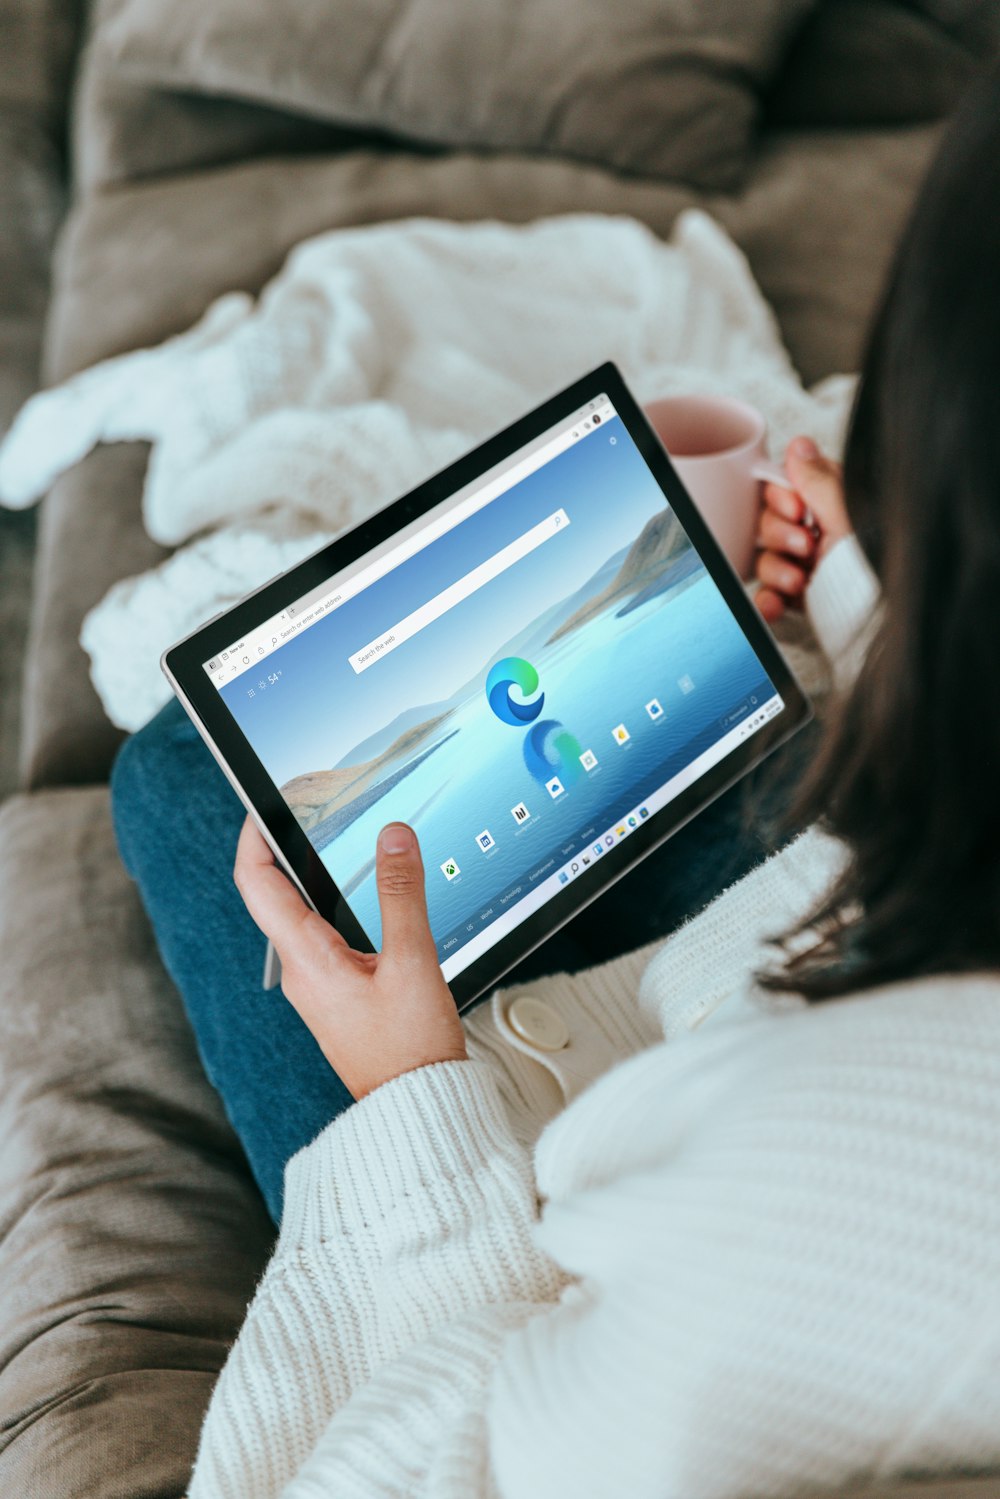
(177, 821)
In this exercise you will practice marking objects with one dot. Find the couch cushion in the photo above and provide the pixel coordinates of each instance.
(131, 1234)
(973, 1486)
(669, 89)
(877, 62)
(126, 129)
(141, 263)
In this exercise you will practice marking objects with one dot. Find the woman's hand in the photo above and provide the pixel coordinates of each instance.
(375, 1015)
(798, 529)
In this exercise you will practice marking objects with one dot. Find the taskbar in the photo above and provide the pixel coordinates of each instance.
(506, 912)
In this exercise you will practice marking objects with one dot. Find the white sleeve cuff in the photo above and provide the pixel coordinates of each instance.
(431, 1140)
(841, 601)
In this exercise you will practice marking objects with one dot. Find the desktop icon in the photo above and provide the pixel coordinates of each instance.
(685, 683)
(588, 759)
(621, 734)
(520, 813)
(513, 671)
(554, 787)
(450, 869)
(643, 811)
(654, 708)
(485, 840)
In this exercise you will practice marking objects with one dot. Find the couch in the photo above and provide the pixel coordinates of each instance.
(131, 1233)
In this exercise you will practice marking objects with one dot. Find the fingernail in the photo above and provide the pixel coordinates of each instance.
(804, 447)
(397, 838)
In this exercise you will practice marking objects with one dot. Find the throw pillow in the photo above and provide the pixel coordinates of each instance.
(665, 88)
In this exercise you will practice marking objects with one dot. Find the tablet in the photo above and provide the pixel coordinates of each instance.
(539, 658)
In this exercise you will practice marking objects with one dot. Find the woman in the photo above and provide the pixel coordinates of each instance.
(769, 1247)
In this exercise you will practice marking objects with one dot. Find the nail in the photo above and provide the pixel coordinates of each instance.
(397, 838)
(804, 447)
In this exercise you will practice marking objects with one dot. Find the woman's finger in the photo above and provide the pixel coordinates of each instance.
(399, 875)
(777, 535)
(770, 604)
(270, 897)
(784, 502)
(778, 573)
(819, 481)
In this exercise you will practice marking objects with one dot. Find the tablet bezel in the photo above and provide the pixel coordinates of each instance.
(183, 665)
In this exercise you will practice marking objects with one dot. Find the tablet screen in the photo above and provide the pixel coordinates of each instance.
(526, 674)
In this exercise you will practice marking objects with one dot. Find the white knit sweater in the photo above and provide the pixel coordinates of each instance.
(750, 1255)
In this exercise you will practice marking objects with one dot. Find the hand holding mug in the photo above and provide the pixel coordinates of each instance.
(719, 448)
(801, 520)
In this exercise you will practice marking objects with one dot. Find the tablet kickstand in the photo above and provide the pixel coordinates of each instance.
(272, 969)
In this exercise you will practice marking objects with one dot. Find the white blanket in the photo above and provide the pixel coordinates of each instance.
(374, 358)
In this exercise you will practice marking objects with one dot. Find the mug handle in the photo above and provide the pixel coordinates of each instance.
(771, 473)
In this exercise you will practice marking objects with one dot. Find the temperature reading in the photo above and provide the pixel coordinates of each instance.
(273, 676)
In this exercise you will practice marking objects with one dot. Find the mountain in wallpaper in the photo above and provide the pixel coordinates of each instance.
(651, 565)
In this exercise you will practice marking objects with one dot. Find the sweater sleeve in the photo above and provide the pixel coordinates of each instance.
(841, 601)
(408, 1214)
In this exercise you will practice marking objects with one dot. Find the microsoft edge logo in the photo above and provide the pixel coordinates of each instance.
(513, 671)
(548, 746)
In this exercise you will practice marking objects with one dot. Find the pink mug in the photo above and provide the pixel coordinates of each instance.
(719, 448)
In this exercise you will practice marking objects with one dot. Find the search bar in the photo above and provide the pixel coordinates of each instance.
(456, 592)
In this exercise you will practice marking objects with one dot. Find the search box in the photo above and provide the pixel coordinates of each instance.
(463, 589)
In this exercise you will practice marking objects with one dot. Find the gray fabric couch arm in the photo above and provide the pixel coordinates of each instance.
(38, 41)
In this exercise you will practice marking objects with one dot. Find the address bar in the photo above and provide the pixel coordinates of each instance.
(456, 592)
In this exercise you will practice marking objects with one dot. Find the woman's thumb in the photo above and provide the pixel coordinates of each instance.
(399, 875)
(818, 480)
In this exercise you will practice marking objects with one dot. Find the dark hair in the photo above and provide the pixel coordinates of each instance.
(908, 774)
